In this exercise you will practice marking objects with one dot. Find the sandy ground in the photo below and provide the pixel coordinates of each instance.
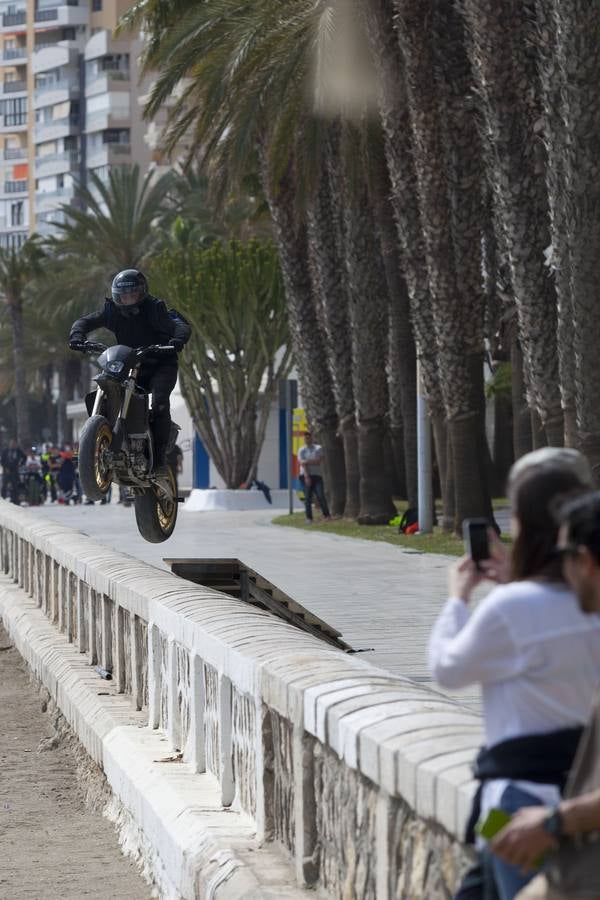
(52, 846)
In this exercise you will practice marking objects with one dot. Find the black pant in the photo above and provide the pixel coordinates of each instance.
(316, 485)
(10, 481)
(160, 381)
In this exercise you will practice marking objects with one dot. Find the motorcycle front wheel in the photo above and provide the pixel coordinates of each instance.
(95, 473)
(155, 514)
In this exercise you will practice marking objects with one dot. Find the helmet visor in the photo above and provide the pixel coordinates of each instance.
(129, 298)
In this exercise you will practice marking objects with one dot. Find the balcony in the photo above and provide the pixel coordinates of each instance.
(102, 82)
(12, 124)
(54, 56)
(107, 154)
(14, 187)
(56, 163)
(12, 21)
(12, 153)
(49, 200)
(14, 87)
(63, 14)
(56, 92)
(14, 56)
(56, 128)
(13, 235)
(107, 118)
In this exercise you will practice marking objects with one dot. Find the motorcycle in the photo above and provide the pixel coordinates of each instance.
(117, 444)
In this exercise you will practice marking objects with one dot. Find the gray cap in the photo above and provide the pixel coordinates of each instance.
(566, 457)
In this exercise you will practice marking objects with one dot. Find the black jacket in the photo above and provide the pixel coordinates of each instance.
(12, 458)
(153, 324)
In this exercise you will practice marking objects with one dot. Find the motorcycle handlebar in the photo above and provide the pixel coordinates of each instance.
(87, 346)
(95, 347)
(155, 348)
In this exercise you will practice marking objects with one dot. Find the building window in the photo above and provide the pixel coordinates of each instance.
(17, 213)
(96, 5)
(14, 111)
(115, 136)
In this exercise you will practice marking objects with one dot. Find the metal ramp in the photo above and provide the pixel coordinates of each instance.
(234, 578)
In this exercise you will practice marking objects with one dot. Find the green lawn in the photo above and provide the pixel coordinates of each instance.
(438, 542)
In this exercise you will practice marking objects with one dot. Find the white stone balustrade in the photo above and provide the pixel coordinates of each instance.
(361, 777)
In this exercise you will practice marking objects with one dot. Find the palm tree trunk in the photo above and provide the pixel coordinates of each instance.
(522, 436)
(369, 310)
(443, 455)
(349, 434)
(330, 288)
(505, 77)
(415, 33)
(402, 377)
(307, 339)
(378, 17)
(15, 307)
(577, 75)
(556, 140)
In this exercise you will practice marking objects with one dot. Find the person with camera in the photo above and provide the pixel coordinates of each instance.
(535, 655)
(566, 836)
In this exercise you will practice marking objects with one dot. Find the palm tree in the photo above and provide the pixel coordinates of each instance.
(505, 74)
(248, 80)
(573, 165)
(378, 18)
(326, 250)
(463, 377)
(18, 267)
(369, 315)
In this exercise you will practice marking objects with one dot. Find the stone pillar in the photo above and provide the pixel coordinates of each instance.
(307, 870)
(225, 741)
(196, 750)
(154, 675)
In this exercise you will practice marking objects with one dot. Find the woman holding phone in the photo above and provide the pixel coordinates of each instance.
(532, 650)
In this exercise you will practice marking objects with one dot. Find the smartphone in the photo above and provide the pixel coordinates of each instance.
(475, 534)
(494, 822)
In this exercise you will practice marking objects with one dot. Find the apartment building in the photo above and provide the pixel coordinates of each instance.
(69, 105)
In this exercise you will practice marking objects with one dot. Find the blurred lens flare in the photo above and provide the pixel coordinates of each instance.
(345, 82)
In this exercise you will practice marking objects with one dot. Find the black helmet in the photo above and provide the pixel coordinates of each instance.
(127, 283)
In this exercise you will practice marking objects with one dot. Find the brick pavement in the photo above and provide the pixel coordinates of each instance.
(379, 596)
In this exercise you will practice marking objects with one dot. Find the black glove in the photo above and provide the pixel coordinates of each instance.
(175, 342)
(77, 341)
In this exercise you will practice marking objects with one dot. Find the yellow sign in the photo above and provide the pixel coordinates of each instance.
(299, 426)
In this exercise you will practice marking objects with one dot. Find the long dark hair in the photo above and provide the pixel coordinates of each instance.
(533, 497)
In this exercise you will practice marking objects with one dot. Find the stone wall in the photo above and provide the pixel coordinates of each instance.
(360, 777)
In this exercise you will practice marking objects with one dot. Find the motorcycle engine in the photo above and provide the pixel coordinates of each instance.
(140, 464)
(139, 460)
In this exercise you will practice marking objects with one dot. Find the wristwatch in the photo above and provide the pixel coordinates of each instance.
(553, 823)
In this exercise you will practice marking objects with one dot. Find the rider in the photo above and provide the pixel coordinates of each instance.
(137, 319)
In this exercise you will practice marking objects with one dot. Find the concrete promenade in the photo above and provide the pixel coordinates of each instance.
(378, 595)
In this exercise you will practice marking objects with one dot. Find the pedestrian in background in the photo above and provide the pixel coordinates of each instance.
(310, 459)
(12, 458)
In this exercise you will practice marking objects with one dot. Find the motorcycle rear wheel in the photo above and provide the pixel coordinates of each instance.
(94, 473)
(155, 516)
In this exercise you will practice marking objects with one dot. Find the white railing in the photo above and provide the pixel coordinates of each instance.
(331, 757)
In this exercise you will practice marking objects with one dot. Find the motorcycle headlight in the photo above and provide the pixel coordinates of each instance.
(114, 367)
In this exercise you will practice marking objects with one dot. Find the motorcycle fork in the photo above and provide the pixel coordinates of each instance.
(97, 401)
